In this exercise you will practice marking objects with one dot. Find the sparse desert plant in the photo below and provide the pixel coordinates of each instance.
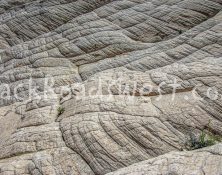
(60, 111)
(203, 140)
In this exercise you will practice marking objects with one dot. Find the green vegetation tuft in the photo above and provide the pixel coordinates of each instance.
(203, 140)
(60, 110)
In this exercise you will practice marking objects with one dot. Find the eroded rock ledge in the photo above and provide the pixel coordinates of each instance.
(111, 67)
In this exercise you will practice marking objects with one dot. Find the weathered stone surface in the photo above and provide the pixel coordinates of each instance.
(111, 66)
(205, 161)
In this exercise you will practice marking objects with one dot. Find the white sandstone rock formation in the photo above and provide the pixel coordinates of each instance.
(109, 86)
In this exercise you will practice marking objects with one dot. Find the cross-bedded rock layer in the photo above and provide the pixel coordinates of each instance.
(118, 61)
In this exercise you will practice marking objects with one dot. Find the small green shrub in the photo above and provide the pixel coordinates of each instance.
(60, 110)
(203, 140)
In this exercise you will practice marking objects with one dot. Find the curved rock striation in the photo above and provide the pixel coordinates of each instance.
(206, 161)
(94, 86)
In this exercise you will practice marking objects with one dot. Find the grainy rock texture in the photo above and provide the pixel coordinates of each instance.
(206, 161)
(93, 86)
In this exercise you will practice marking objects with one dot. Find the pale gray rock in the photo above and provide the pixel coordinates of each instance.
(205, 161)
(87, 86)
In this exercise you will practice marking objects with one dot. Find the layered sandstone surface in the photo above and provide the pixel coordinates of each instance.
(109, 86)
